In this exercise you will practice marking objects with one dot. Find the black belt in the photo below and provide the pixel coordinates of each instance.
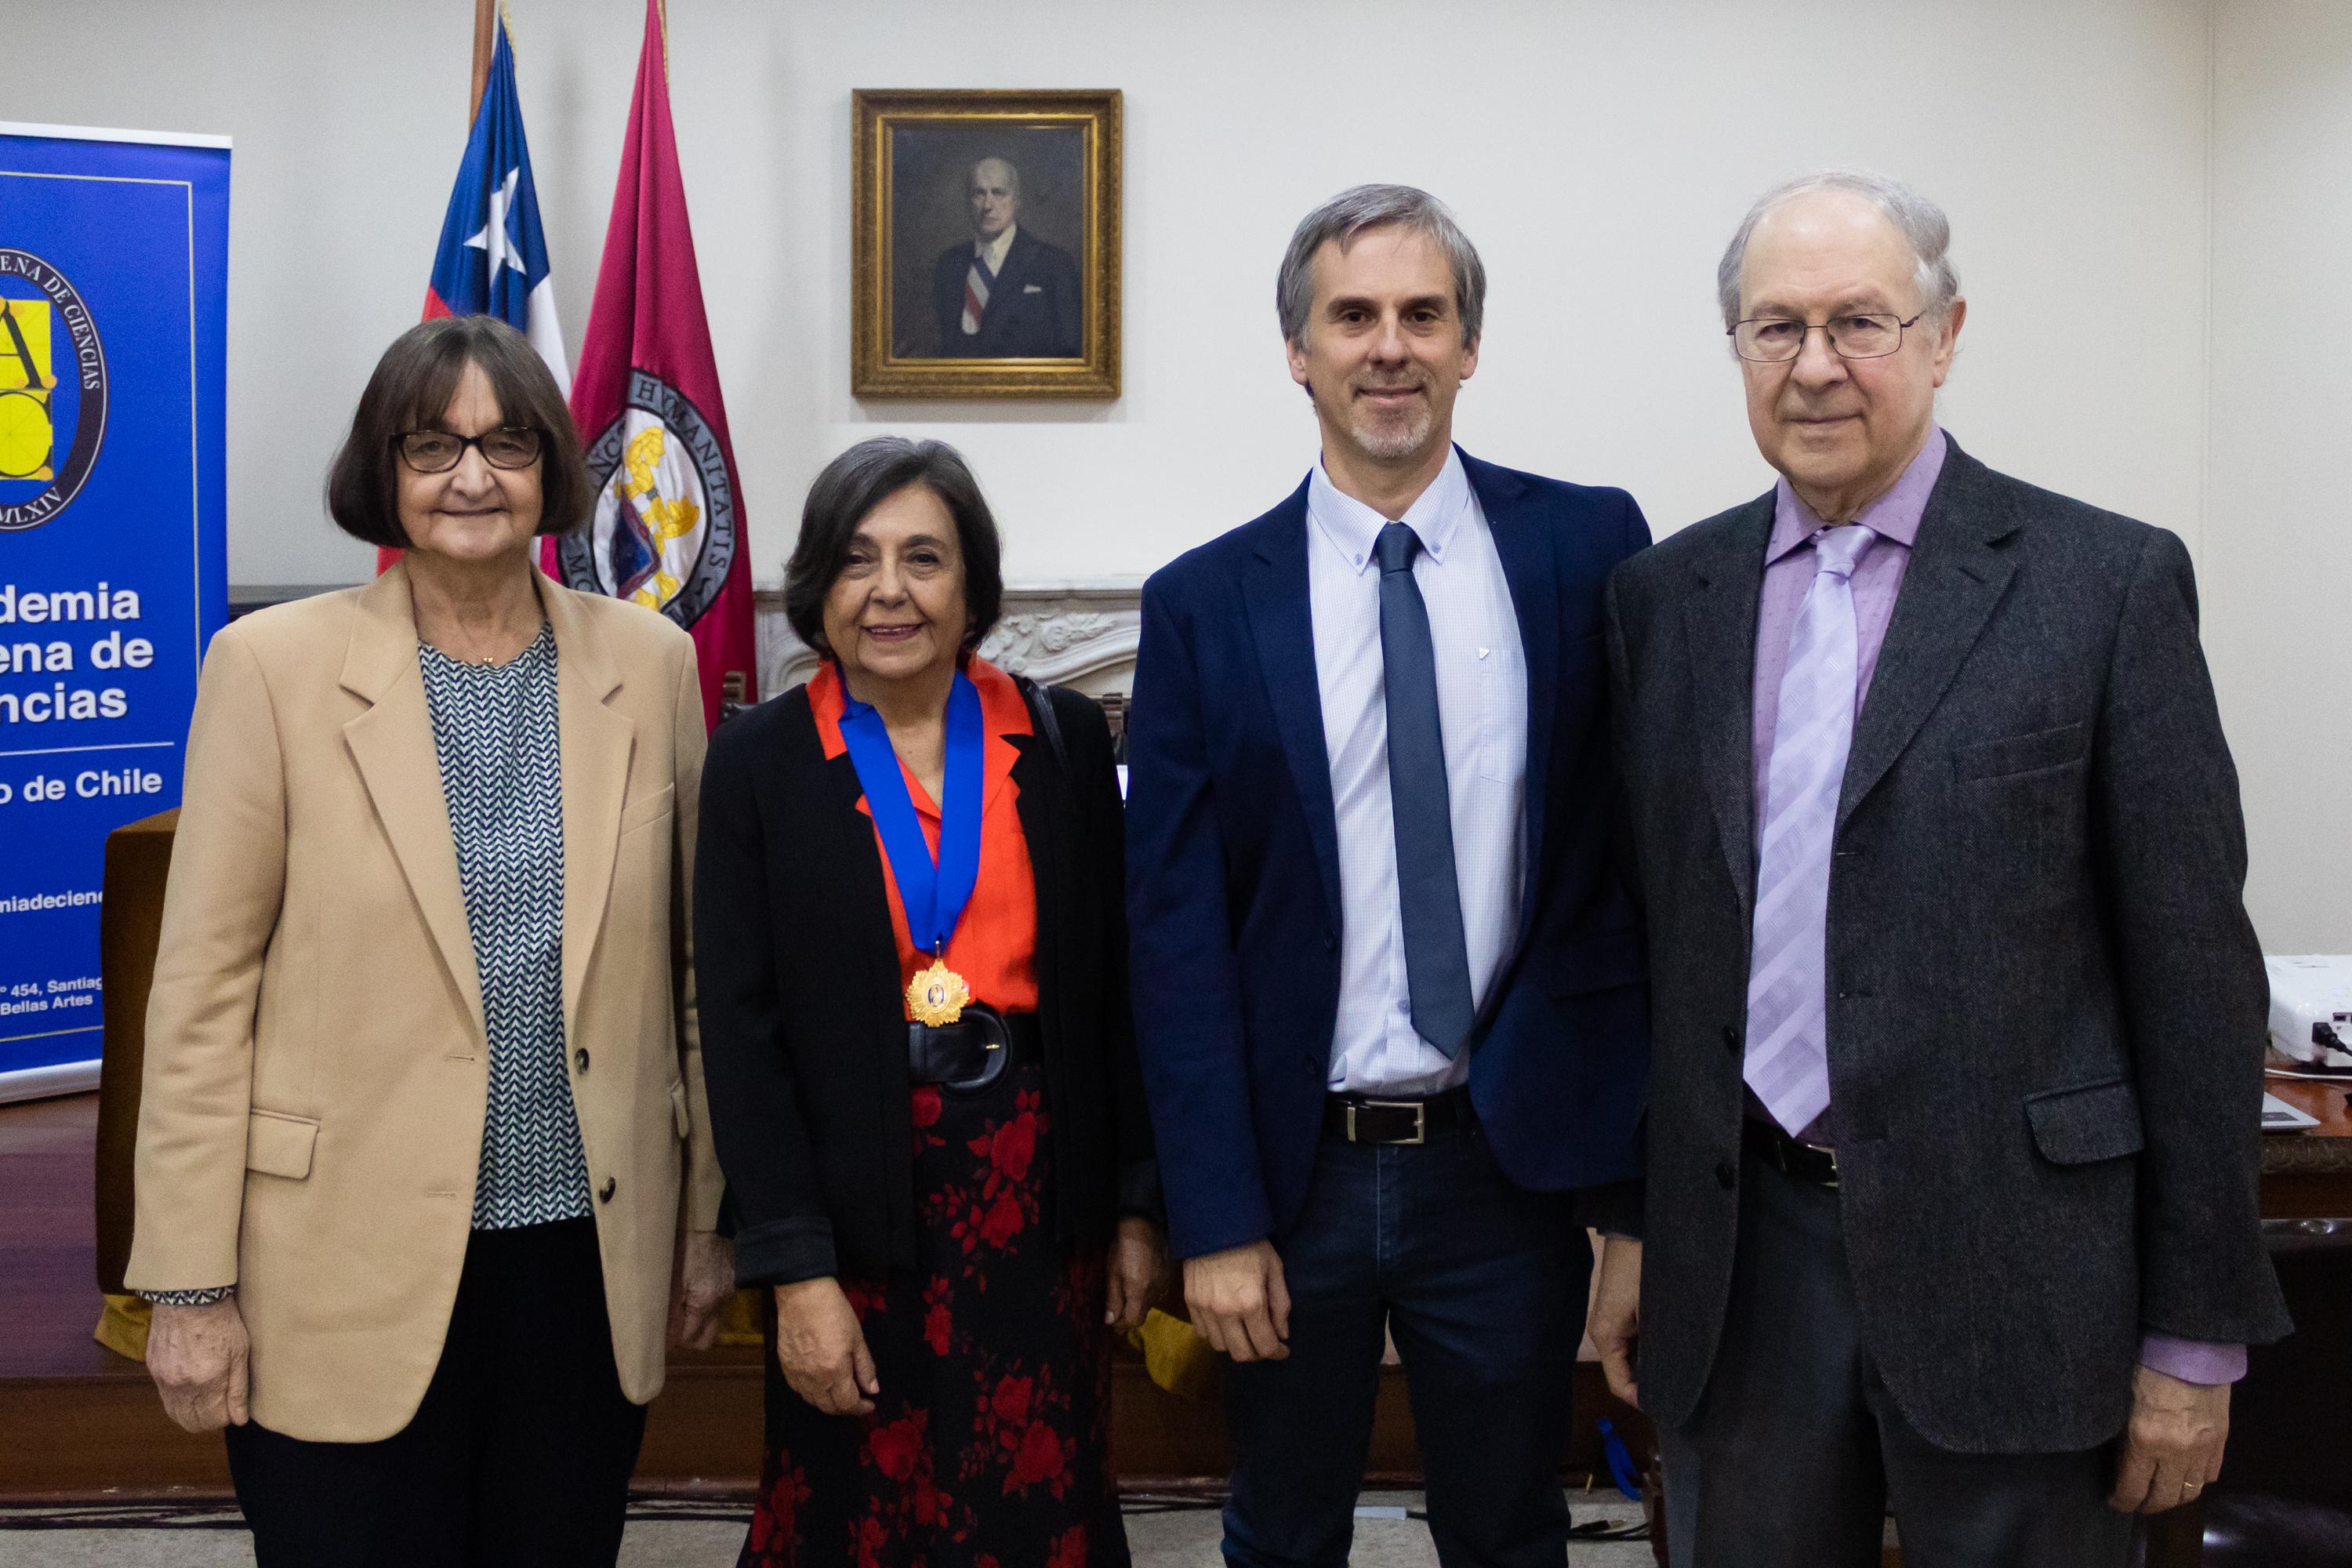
(971, 1053)
(1806, 1162)
(1369, 1118)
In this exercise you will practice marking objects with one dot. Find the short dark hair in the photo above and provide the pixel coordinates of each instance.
(850, 488)
(411, 388)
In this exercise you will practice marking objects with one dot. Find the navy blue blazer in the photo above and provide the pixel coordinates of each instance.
(1233, 873)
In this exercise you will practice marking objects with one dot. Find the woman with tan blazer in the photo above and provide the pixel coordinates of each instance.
(424, 1141)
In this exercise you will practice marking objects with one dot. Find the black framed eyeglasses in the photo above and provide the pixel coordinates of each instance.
(438, 451)
(1774, 339)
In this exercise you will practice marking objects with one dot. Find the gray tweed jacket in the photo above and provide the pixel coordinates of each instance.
(2046, 1002)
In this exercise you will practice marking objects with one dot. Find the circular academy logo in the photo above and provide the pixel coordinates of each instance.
(52, 391)
(664, 532)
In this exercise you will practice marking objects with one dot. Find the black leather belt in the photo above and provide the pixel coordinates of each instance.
(971, 1053)
(1367, 1119)
(1806, 1162)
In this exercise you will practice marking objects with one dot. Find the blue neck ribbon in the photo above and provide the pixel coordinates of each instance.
(934, 892)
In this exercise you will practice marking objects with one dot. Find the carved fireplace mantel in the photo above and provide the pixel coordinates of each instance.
(1079, 632)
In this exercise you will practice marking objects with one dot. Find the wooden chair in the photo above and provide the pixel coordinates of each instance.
(138, 858)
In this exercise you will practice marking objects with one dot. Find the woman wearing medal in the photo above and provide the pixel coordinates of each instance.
(912, 973)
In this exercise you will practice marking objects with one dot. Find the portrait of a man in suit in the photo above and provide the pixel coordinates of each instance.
(987, 256)
(1005, 293)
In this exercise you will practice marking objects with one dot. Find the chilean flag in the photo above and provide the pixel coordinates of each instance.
(492, 261)
(493, 256)
(669, 528)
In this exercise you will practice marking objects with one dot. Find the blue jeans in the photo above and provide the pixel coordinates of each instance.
(1483, 1285)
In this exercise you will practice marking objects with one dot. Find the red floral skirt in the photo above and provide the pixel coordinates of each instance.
(990, 1444)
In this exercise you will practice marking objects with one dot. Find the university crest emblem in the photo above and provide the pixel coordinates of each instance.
(663, 531)
(52, 391)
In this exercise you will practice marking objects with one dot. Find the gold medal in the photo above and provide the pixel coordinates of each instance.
(938, 994)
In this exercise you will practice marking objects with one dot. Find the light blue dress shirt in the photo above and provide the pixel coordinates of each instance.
(1482, 697)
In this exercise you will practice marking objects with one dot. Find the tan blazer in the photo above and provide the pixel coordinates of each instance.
(316, 1073)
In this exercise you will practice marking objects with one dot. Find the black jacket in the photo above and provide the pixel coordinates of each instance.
(2046, 1006)
(804, 1027)
(1036, 308)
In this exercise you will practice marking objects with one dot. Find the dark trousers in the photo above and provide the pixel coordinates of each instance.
(519, 1454)
(1483, 1286)
(1797, 1449)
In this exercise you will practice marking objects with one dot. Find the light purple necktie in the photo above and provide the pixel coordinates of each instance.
(1787, 1062)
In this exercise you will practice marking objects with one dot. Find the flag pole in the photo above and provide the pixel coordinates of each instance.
(484, 41)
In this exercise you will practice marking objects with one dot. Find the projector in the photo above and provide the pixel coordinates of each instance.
(2311, 1008)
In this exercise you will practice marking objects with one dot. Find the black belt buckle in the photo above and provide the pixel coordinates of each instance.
(1792, 1157)
(1419, 1108)
(962, 1057)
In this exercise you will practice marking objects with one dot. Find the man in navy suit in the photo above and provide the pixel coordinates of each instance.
(1387, 985)
(1006, 294)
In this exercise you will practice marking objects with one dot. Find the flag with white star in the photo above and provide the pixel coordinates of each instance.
(493, 256)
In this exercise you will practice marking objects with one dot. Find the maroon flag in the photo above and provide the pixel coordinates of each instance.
(668, 532)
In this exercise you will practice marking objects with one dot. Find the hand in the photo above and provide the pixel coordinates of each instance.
(702, 1275)
(821, 1349)
(1615, 1320)
(2172, 1447)
(1137, 1271)
(1238, 1301)
(197, 1356)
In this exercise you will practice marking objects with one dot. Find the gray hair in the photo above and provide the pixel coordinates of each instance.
(1353, 212)
(1012, 168)
(1920, 222)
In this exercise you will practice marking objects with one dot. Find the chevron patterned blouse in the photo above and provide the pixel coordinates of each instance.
(494, 730)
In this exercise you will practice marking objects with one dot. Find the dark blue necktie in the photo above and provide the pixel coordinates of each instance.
(1437, 955)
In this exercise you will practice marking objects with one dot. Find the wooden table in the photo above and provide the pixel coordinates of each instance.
(2308, 1174)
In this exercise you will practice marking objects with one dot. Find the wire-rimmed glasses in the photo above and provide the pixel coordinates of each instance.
(1775, 340)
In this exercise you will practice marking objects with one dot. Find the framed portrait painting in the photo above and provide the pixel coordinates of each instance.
(986, 258)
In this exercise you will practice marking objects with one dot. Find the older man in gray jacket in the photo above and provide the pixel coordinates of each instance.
(1959, 1016)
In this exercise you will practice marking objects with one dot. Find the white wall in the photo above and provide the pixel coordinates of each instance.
(1598, 151)
(2277, 564)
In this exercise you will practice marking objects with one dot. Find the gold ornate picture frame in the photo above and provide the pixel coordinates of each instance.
(985, 256)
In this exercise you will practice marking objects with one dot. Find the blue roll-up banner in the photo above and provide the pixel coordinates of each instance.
(113, 378)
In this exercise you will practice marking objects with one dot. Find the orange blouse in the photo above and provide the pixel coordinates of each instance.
(994, 947)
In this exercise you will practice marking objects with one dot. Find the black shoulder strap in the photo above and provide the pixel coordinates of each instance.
(1042, 718)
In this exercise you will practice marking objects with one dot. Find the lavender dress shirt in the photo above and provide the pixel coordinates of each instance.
(1877, 584)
